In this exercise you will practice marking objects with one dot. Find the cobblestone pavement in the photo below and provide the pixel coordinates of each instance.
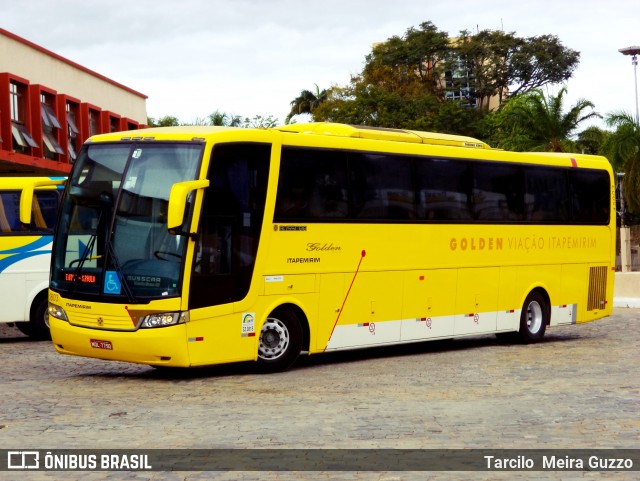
(580, 388)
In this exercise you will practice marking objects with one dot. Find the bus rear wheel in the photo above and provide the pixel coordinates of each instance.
(534, 318)
(280, 341)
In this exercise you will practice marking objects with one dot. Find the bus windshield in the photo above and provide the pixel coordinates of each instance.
(113, 238)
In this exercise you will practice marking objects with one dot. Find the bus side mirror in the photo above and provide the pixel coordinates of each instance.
(178, 200)
(26, 196)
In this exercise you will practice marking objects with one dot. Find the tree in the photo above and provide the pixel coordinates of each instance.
(307, 102)
(538, 123)
(539, 61)
(406, 81)
(592, 140)
(484, 58)
(419, 55)
(260, 122)
(623, 149)
(166, 121)
(224, 119)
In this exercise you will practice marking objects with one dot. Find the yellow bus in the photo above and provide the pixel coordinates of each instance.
(195, 246)
(26, 236)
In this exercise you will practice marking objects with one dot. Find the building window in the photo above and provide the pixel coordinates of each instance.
(94, 122)
(50, 126)
(72, 132)
(22, 139)
(114, 124)
(17, 103)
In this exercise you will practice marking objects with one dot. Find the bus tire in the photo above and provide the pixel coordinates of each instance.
(38, 325)
(534, 318)
(280, 341)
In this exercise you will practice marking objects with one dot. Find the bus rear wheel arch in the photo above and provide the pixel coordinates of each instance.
(280, 341)
(535, 316)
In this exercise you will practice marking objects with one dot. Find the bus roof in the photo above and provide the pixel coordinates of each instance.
(314, 128)
(380, 133)
(336, 130)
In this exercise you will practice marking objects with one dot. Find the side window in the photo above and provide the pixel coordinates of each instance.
(45, 210)
(382, 187)
(498, 192)
(546, 199)
(9, 212)
(43, 213)
(590, 196)
(312, 186)
(444, 190)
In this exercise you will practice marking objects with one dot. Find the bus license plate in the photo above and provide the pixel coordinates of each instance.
(98, 344)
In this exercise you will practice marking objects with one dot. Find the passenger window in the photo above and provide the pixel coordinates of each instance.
(444, 190)
(382, 187)
(546, 200)
(312, 186)
(498, 192)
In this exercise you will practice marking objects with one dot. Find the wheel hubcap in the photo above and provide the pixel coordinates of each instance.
(534, 317)
(274, 339)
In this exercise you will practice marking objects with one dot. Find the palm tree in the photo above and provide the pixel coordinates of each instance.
(307, 102)
(623, 149)
(225, 119)
(538, 123)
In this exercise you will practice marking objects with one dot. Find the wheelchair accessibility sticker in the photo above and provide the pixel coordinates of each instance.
(112, 283)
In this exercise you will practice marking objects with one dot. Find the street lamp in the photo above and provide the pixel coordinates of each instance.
(633, 51)
(625, 232)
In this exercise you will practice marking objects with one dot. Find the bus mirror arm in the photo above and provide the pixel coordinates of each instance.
(178, 203)
(26, 197)
(191, 235)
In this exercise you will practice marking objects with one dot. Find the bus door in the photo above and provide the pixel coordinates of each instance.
(230, 224)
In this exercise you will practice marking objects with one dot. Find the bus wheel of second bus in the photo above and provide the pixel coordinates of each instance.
(280, 341)
(534, 317)
(38, 325)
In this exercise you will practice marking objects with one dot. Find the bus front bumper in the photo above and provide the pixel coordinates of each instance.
(165, 346)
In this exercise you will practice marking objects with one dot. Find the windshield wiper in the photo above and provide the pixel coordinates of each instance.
(85, 255)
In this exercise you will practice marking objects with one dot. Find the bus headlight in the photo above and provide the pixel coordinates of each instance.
(57, 312)
(164, 319)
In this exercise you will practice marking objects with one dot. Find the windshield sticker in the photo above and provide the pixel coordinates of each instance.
(130, 183)
(112, 283)
(137, 153)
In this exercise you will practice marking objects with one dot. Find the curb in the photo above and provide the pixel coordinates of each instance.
(631, 302)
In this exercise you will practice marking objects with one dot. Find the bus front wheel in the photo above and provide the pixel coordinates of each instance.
(534, 318)
(280, 341)
(38, 325)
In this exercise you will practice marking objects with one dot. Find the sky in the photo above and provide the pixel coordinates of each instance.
(253, 57)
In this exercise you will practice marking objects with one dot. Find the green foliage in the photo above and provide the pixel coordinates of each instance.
(429, 81)
(221, 119)
(225, 119)
(166, 121)
(535, 122)
(260, 122)
(419, 55)
(623, 149)
(592, 141)
(307, 102)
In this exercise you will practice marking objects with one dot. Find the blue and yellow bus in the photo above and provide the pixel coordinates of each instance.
(25, 250)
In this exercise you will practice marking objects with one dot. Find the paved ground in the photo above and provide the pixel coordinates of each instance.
(580, 388)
